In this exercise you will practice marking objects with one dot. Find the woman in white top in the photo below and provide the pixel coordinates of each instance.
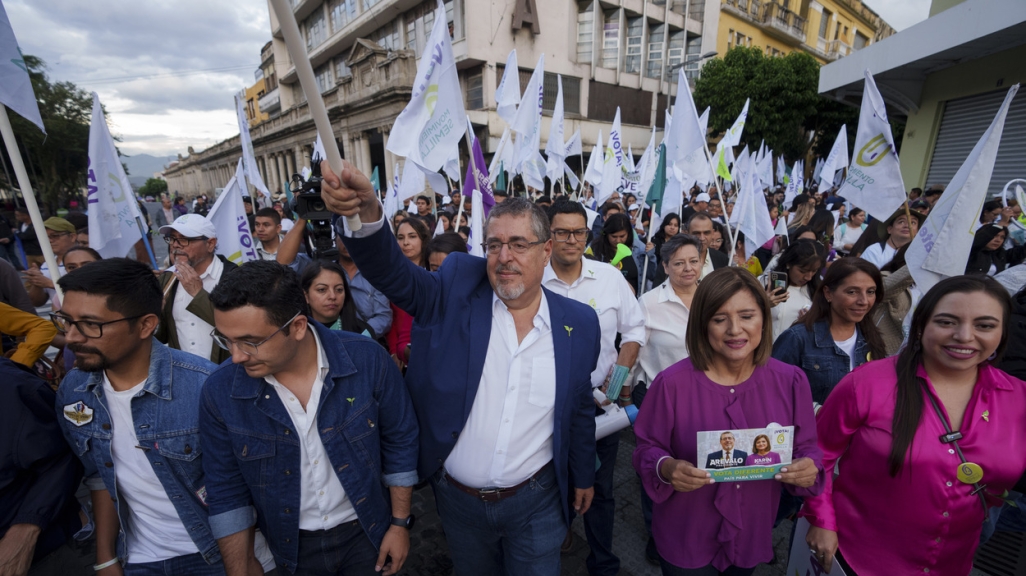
(802, 262)
(898, 231)
(848, 233)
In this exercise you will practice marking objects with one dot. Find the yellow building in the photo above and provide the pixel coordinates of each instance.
(826, 29)
(252, 98)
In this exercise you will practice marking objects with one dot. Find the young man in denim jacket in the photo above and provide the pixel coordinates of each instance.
(129, 411)
(303, 432)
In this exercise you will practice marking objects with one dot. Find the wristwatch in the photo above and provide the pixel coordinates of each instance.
(404, 522)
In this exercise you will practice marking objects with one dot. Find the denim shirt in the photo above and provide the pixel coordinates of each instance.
(818, 356)
(165, 413)
(366, 423)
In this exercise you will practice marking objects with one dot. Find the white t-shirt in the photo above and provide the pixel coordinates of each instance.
(785, 313)
(153, 529)
(848, 347)
(879, 254)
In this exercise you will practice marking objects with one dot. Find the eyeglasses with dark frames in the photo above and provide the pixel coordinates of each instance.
(248, 348)
(87, 328)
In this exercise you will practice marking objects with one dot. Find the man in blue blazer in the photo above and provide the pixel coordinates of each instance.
(500, 379)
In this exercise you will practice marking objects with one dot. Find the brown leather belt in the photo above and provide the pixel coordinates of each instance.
(492, 494)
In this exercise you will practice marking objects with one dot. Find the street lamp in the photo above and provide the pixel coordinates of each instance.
(689, 60)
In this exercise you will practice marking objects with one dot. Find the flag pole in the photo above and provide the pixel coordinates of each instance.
(30, 199)
(301, 60)
(145, 232)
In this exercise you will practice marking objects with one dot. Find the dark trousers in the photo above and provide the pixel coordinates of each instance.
(598, 520)
(516, 536)
(192, 564)
(344, 550)
(671, 570)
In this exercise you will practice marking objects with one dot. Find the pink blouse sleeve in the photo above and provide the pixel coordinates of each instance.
(654, 431)
(838, 420)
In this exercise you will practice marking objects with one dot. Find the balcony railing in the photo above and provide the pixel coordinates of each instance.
(783, 21)
(836, 49)
(270, 102)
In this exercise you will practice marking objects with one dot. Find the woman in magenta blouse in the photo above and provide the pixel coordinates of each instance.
(930, 439)
(761, 454)
(728, 383)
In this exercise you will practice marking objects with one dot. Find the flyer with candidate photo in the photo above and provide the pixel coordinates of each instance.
(745, 454)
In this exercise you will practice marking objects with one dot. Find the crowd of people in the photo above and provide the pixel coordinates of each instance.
(276, 417)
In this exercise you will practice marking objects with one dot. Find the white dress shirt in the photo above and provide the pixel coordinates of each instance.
(785, 313)
(604, 288)
(194, 332)
(323, 503)
(666, 322)
(879, 255)
(707, 266)
(508, 435)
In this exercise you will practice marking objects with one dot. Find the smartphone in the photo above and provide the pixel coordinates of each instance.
(778, 280)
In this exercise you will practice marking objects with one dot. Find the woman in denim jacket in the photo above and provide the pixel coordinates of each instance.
(837, 334)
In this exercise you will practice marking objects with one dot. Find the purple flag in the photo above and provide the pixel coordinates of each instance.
(487, 199)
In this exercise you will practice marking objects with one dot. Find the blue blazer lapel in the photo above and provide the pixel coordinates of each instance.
(480, 319)
(561, 346)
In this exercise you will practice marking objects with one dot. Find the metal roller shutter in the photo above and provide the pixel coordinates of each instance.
(964, 122)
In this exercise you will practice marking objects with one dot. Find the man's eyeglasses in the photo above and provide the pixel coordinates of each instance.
(87, 328)
(562, 235)
(182, 241)
(248, 348)
(493, 247)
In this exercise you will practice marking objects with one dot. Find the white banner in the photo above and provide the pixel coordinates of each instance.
(112, 207)
(874, 177)
(836, 160)
(15, 85)
(433, 122)
(751, 214)
(507, 95)
(248, 160)
(555, 146)
(612, 168)
(228, 215)
(952, 223)
(593, 173)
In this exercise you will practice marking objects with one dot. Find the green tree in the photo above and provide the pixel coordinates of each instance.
(785, 103)
(56, 161)
(153, 187)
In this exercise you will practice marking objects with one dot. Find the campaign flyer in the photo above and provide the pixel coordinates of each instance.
(745, 454)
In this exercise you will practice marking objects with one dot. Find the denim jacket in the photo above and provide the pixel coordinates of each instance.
(165, 414)
(816, 354)
(367, 425)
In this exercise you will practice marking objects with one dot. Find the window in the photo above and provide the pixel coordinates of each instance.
(388, 36)
(610, 40)
(635, 29)
(325, 81)
(368, 4)
(585, 31)
(824, 24)
(654, 65)
(730, 38)
(341, 70)
(693, 56)
(675, 50)
(571, 94)
(860, 41)
(342, 12)
(316, 32)
(475, 91)
(411, 34)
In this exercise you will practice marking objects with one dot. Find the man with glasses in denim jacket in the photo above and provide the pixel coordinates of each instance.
(303, 432)
(187, 317)
(130, 413)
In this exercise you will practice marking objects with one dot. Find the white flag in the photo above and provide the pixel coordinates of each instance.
(781, 169)
(765, 170)
(733, 136)
(228, 215)
(452, 164)
(555, 146)
(505, 144)
(15, 86)
(612, 168)
(113, 228)
(251, 173)
(318, 151)
(952, 223)
(476, 224)
(413, 182)
(688, 134)
(573, 145)
(593, 173)
(647, 166)
(836, 160)
(392, 201)
(432, 123)
(874, 178)
(751, 215)
(507, 95)
(527, 122)
(795, 184)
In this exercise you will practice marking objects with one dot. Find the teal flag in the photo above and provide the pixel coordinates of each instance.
(500, 180)
(375, 180)
(654, 198)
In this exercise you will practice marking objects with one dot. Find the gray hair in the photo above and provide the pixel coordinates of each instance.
(520, 207)
(671, 245)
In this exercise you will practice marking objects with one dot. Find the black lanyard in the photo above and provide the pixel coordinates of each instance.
(952, 438)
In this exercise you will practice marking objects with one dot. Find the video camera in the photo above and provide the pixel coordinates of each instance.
(308, 205)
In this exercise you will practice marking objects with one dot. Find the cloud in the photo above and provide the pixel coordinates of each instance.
(900, 14)
(166, 70)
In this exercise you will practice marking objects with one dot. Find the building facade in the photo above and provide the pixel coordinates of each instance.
(826, 29)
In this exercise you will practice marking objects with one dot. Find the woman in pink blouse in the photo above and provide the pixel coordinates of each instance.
(702, 528)
(917, 432)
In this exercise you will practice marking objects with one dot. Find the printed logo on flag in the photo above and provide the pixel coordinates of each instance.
(872, 153)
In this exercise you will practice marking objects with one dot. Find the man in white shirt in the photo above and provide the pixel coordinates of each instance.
(61, 235)
(267, 229)
(499, 373)
(604, 288)
(187, 316)
(898, 230)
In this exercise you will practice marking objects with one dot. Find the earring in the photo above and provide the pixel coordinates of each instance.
(992, 357)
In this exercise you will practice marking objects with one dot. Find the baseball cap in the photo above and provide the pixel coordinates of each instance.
(191, 226)
(59, 225)
(702, 197)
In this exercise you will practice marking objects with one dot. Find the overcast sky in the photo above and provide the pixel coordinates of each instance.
(167, 70)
